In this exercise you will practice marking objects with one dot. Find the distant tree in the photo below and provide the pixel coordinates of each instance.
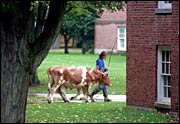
(26, 37)
(76, 22)
(79, 20)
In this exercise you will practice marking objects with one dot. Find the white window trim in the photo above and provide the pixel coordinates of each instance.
(160, 98)
(118, 39)
(163, 5)
(163, 8)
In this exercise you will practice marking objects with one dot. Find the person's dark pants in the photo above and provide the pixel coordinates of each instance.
(101, 86)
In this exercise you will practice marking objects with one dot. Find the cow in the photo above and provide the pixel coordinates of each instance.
(79, 77)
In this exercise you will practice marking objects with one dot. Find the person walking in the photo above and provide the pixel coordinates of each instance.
(101, 86)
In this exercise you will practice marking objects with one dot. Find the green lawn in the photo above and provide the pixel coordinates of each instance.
(117, 70)
(98, 112)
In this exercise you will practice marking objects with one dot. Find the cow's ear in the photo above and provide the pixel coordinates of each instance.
(103, 74)
(106, 73)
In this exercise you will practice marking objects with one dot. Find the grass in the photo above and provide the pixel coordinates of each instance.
(117, 70)
(98, 112)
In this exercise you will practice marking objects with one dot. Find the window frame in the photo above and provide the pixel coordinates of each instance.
(160, 85)
(163, 7)
(119, 38)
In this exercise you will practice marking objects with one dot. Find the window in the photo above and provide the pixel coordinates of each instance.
(164, 4)
(164, 74)
(121, 38)
(164, 7)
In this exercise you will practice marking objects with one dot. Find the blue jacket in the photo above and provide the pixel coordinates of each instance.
(100, 64)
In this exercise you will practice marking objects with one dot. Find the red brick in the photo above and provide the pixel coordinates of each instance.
(145, 31)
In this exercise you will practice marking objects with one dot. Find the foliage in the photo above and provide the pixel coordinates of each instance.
(98, 112)
(100, 5)
(117, 70)
(78, 22)
(79, 19)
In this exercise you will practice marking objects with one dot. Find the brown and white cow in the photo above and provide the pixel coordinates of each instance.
(79, 77)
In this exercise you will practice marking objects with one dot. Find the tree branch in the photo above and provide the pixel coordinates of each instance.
(52, 26)
(40, 18)
(69, 9)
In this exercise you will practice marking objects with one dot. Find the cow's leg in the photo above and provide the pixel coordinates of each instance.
(63, 94)
(52, 91)
(49, 89)
(78, 93)
(86, 93)
(48, 95)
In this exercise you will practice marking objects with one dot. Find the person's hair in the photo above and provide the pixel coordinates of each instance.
(103, 53)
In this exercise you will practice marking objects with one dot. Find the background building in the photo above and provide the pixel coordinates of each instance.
(110, 28)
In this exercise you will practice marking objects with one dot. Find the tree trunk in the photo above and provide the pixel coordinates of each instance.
(66, 44)
(21, 54)
(34, 79)
(14, 77)
(73, 43)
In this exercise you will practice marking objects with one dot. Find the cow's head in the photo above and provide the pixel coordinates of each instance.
(105, 79)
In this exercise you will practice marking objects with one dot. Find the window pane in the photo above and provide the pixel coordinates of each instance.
(164, 80)
(121, 30)
(167, 1)
(163, 67)
(165, 91)
(167, 56)
(169, 80)
(121, 42)
(167, 68)
(163, 55)
(121, 35)
(169, 92)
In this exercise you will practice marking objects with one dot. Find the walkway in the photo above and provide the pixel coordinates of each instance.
(97, 97)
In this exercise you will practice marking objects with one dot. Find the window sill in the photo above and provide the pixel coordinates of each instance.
(162, 105)
(163, 11)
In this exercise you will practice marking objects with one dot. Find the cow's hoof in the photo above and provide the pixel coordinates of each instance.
(71, 98)
(49, 101)
(82, 98)
(66, 101)
(92, 100)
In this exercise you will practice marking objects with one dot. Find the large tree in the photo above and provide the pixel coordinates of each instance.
(24, 45)
(27, 34)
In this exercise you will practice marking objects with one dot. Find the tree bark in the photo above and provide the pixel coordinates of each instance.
(21, 54)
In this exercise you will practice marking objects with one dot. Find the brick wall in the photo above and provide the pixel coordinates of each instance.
(117, 15)
(145, 32)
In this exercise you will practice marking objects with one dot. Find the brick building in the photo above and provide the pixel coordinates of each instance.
(153, 55)
(110, 28)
